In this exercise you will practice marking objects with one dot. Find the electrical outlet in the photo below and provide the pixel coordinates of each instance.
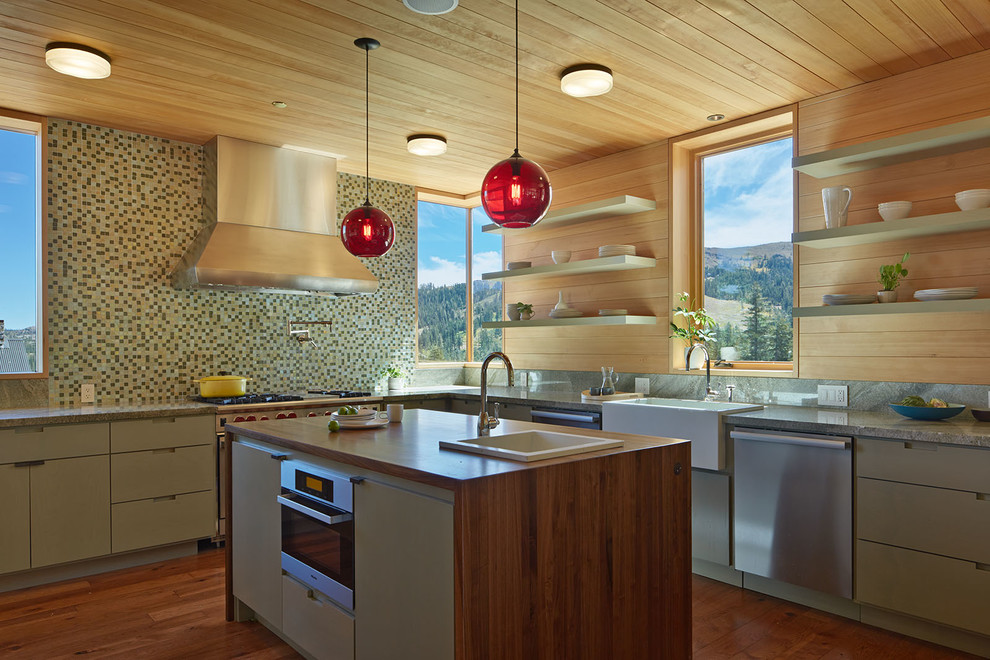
(642, 386)
(87, 393)
(833, 395)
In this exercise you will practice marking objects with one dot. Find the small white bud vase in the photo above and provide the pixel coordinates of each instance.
(512, 311)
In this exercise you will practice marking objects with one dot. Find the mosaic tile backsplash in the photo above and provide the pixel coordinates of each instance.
(122, 207)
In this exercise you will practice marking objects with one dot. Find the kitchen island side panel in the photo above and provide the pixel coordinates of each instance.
(606, 546)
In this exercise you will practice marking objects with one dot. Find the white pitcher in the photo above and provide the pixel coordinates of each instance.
(836, 202)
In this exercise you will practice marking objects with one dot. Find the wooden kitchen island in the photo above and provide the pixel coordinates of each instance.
(586, 556)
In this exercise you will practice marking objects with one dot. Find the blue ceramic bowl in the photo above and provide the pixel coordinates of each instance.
(918, 412)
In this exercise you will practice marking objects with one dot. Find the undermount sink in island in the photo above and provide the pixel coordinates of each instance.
(530, 445)
(456, 555)
(697, 421)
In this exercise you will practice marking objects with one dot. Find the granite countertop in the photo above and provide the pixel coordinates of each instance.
(102, 413)
(500, 393)
(963, 429)
(410, 449)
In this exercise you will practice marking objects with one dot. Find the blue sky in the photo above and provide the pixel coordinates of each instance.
(18, 229)
(748, 195)
(443, 244)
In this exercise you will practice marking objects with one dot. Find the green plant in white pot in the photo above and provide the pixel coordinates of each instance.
(698, 328)
(890, 278)
(396, 377)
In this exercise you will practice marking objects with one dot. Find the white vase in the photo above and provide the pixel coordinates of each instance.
(697, 358)
(396, 383)
(512, 311)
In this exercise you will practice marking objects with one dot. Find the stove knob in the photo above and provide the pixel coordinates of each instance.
(238, 419)
(291, 415)
(252, 418)
(328, 413)
(311, 415)
(280, 416)
(263, 419)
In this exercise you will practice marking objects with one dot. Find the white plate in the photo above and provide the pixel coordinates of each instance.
(370, 414)
(951, 295)
(566, 314)
(612, 312)
(365, 424)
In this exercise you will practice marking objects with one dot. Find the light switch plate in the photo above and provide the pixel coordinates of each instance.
(642, 385)
(833, 395)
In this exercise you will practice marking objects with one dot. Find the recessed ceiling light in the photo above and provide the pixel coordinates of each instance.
(430, 7)
(586, 80)
(77, 60)
(426, 145)
(280, 104)
(715, 117)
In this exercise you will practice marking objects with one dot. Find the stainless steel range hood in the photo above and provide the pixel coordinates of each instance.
(269, 211)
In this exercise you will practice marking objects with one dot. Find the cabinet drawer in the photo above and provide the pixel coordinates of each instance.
(162, 432)
(931, 587)
(160, 521)
(953, 523)
(314, 623)
(928, 464)
(145, 474)
(39, 443)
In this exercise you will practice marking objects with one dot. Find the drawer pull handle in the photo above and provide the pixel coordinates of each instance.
(169, 450)
(167, 498)
(982, 567)
(921, 446)
(30, 429)
(163, 420)
(29, 463)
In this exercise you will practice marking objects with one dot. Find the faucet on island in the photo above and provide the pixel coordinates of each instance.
(710, 394)
(487, 422)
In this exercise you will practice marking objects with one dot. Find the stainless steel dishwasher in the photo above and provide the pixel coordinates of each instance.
(793, 508)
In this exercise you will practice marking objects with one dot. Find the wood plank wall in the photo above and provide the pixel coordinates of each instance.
(640, 172)
(944, 348)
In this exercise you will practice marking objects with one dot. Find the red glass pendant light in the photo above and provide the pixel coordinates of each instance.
(516, 192)
(367, 231)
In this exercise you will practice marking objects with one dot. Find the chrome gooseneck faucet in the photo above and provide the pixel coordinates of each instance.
(710, 394)
(487, 422)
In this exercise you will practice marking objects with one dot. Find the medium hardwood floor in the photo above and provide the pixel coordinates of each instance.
(174, 609)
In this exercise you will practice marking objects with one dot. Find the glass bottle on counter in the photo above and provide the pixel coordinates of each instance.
(608, 383)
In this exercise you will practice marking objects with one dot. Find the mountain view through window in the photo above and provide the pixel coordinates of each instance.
(748, 258)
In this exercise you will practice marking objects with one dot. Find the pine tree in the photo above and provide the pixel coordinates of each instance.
(782, 338)
(756, 342)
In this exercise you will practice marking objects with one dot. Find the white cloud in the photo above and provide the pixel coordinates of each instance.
(485, 262)
(13, 178)
(441, 272)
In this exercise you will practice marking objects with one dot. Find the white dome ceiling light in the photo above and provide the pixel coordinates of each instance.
(77, 60)
(423, 144)
(586, 80)
(430, 7)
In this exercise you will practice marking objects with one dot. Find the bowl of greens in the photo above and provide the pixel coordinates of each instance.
(916, 407)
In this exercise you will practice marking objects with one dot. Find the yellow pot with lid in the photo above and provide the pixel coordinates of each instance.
(221, 386)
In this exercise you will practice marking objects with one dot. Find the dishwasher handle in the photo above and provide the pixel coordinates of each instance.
(590, 418)
(833, 442)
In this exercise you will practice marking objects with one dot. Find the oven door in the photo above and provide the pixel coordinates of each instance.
(318, 546)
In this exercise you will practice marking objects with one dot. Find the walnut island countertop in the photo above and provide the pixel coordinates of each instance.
(410, 449)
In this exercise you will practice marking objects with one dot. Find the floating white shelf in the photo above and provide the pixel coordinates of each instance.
(892, 230)
(604, 208)
(581, 320)
(932, 307)
(621, 262)
(949, 139)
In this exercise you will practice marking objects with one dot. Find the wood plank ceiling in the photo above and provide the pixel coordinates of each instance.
(191, 69)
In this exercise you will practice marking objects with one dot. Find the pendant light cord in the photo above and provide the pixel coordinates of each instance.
(367, 130)
(517, 78)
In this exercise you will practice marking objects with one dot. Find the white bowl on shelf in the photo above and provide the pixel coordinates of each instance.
(560, 256)
(968, 200)
(894, 210)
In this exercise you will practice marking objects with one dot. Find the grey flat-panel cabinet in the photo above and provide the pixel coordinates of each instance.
(15, 512)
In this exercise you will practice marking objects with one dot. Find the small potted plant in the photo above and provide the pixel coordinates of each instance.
(698, 328)
(890, 279)
(396, 378)
(524, 310)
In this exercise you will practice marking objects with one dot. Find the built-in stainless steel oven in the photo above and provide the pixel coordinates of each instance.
(318, 529)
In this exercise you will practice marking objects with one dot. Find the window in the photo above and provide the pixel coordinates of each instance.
(449, 318)
(748, 266)
(731, 218)
(21, 349)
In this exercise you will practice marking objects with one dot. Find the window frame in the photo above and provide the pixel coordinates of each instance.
(466, 202)
(22, 122)
(686, 244)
